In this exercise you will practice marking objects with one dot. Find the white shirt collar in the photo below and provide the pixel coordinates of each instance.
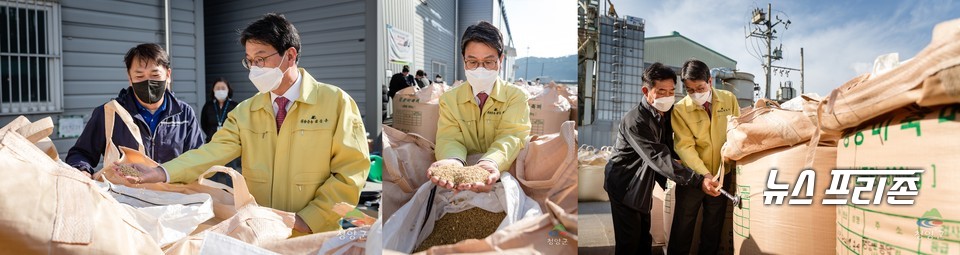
(292, 94)
(477, 92)
(489, 90)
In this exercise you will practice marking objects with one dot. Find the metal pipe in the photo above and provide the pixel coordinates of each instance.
(734, 199)
(456, 42)
(166, 29)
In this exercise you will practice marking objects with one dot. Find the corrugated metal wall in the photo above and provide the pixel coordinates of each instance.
(471, 12)
(440, 36)
(400, 14)
(334, 45)
(474, 11)
(433, 26)
(95, 36)
(674, 50)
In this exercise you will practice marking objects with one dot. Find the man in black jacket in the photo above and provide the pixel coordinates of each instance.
(168, 127)
(400, 81)
(421, 79)
(644, 156)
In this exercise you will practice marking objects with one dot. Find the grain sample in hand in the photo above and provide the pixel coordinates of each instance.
(474, 223)
(460, 175)
(128, 170)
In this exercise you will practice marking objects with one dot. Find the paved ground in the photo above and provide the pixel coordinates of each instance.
(596, 229)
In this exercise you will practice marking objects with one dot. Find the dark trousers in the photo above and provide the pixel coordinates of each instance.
(688, 202)
(631, 229)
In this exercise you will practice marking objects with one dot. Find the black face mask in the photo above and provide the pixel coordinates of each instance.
(149, 91)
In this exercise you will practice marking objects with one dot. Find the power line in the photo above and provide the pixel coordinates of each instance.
(765, 29)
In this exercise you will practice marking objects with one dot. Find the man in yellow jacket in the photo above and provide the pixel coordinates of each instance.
(301, 142)
(484, 115)
(700, 128)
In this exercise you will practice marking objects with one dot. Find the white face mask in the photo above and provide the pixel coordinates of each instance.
(220, 94)
(663, 104)
(481, 79)
(701, 98)
(438, 80)
(267, 79)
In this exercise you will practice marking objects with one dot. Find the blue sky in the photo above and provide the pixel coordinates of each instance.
(840, 38)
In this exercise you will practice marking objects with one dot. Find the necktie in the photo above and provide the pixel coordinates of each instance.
(282, 112)
(483, 99)
(706, 106)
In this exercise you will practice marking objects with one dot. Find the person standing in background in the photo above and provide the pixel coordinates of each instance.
(399, 81)
(421, 79)
(212, 116)
(215, 111)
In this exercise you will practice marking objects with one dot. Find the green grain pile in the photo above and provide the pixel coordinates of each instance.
(452, 228)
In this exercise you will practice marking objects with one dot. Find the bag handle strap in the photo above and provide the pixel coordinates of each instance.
(764, 102)
(37, 130)
(241, 194)
(815, 140)
(111, 109)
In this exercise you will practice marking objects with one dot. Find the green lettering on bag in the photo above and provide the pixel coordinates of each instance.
(944, 117)
(882, 126)
(904, 125)
(934, 166)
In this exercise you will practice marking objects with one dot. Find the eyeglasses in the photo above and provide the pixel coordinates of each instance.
(473, 64)
(700, 88)
(257, 61)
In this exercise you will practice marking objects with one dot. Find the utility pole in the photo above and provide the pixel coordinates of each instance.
(765, 30)
(801, 71)
(525, 71)
(769, 35)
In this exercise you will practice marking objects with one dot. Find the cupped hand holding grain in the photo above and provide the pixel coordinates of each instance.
(139, 173)
(442, 182)
(451, 176)
(486, 185)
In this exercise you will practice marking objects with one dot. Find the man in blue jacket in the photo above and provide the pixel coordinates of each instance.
(168, 126)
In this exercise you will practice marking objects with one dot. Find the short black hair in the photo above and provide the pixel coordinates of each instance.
(694, 70)
(658, 72)
(406, 69)
(224, 80)
(438, 76)
(147, 52)
(272, 29)
(421, 73)
(485, 33)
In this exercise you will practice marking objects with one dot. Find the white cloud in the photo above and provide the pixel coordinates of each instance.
(839, 42)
